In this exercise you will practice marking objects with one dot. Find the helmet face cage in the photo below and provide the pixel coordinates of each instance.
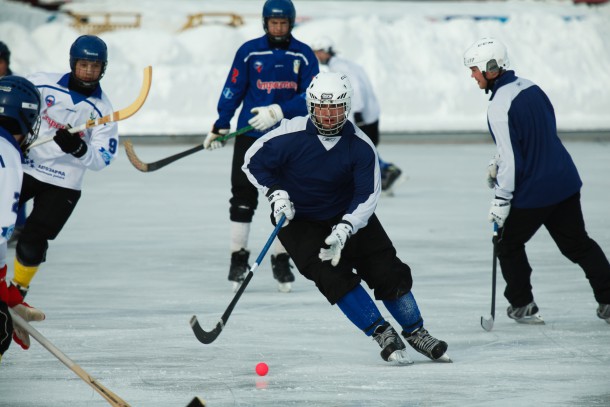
(329, 101)
(487, 54)
(89, 48)
(20, 101)
(279, 9)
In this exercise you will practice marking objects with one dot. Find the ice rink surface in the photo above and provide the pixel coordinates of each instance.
(144, 252)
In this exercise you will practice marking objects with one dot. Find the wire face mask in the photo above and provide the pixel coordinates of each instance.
(329, 98)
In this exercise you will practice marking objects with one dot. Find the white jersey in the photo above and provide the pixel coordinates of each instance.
(11, 177)
(62, 108)
(364, 99)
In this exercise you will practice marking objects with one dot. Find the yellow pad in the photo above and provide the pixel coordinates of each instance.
(24, 274)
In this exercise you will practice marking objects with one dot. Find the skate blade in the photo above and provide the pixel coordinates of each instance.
(284, 287)
(444, 359)
(531, 320)
(400, 358)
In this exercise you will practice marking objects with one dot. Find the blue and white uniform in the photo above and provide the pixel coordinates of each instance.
(61, 108)
(535, 169)
(11, 177)
(262, 76)
(324, 176)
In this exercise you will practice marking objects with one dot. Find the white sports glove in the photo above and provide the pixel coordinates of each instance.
(499, 211)
(336, 240)
(210, 142)
(265, 117)
(281, 205)
(492, 171)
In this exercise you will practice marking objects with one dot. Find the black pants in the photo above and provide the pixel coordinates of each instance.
(244, 195)
(369, 252)
(52, 207)
(566, 225)
(372, 130)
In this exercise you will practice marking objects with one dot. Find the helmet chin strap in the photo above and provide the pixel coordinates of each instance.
(278, 41)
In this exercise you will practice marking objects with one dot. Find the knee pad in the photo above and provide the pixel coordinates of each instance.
(32, 253)
(241, 213)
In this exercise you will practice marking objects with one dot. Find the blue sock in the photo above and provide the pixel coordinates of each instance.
(406, 312)
(359, 308)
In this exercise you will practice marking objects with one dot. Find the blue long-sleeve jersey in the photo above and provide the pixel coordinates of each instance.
(535, 169)
(324, 176)
(262, 76)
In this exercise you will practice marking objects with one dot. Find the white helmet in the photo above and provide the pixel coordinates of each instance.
(323, 44)
(487, 54)
(333, 92)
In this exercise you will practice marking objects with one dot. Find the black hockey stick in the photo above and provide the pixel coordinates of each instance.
(154, 166)
(488, 323)
(209, 337)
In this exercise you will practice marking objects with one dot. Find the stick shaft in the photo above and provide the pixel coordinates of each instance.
(110, 397)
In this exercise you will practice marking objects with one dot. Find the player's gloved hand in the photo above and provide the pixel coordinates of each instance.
(13, 298)
(492, 171)
(211, 141)
(70, 143)
(265, 117)
(280, 205)
(499, 211)
(336, 242)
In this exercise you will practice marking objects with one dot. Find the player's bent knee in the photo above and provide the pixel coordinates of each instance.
(242, 213)
(32, 253)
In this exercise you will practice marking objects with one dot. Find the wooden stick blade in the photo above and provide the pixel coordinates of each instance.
(133, 158)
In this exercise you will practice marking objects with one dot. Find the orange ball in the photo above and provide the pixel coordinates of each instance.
(262, 369)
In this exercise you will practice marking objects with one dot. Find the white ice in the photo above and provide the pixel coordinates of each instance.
(144, 252)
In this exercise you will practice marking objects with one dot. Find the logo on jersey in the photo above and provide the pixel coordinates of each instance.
(258, 65)
(227, 93)
(49, 100)
(296, 65)
(234, 75)
(272, 85)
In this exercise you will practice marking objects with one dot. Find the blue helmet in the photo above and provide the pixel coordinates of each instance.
(20, 101)
(279, 9)
(90, 48)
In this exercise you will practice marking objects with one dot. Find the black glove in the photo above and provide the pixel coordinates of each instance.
(359, 119)
(70, 143)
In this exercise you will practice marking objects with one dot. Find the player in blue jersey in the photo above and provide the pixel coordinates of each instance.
(535, 180)
(19, 122)
(322, 172)
(269, 77)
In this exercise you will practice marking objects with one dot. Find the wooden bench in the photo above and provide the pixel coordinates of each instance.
(98, 22)
(195, 20)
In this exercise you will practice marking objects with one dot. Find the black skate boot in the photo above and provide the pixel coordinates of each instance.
(427, 345)
(389, 177)
(392, 347)
(239, 268)
(603, 311)
(527, 314)
(281, 266)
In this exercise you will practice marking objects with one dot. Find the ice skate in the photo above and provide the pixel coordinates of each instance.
(392, 347)
(603, 311)
(239, 268)
(527, 314)
(427, 345)
(390, 178)
(280, 264)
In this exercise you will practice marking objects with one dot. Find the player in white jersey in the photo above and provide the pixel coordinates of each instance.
(54, 171)
(365, 107)
(19, 120)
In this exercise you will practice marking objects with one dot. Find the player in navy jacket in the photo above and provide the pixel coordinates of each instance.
(322, 173)
(535, 180)
(268, 78)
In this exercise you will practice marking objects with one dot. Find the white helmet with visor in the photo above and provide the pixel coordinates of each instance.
(329, 100)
